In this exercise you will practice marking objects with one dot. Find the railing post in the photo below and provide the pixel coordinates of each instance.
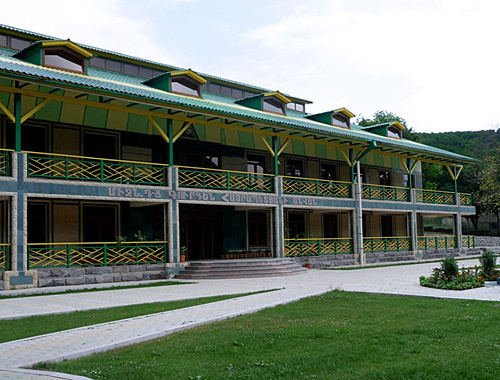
(105, 255)
(228, 181)
(66, 168)
(68, 256)
(319, 247)
(165, 253)
(317, 188)
(133, 172)
(29, 257)
(102, 170)
(136, 254)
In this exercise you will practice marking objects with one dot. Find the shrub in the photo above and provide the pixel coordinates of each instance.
(488, 262)
(449, 267)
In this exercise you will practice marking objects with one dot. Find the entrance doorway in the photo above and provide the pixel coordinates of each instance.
(201, 234)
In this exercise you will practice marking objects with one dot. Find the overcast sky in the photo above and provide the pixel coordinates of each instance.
(436, 63)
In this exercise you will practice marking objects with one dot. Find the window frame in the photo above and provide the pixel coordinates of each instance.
(185, 78)
(278, 104)
(67, 54)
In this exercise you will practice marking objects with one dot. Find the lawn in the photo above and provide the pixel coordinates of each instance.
(339, 335)
(13, 329)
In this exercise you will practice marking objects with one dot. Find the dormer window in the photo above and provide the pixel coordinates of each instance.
(65, 59)
(340, 120)
(273, 105)
(394, 132)
(186, 86)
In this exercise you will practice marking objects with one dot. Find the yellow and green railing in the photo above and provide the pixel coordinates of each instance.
(465, 199)
(468, 241)
(5, 162)
(78, 168)
(67, 255)
(316, 187)
(4, 256)
(434, 196)
(230, 180)
(385, 193)
(437, 242)
(317, 246)
(386, 244)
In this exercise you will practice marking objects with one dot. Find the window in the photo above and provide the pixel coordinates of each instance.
(99, 223)
(3, 41)
(18, 44)
(384, 178)
(273, 105)
(256, 163)
(186, 86)
(65, 59)
(328, 172)
(99, 145)
(294, 167)
(340, 121)
(296, 106)
(258, 231)
(393, 132)
(130, 69)
(362, 173)
(297, 224)
(386, 225)
(406, 183)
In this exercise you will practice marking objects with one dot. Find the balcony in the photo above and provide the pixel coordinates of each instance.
(385, 193)
(5, 162)
(41, 255)
(316, 187)
(230, 180)
(77, 168)
(4, 256)
(387, 244)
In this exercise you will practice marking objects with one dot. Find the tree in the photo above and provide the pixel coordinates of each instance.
(489, 185)
(380, 117)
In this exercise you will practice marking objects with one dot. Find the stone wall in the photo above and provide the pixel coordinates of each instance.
(98, 275)
(487, 241)
(2, 284)
(329, 261)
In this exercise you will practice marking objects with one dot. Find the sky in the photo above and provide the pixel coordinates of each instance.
(435, 63)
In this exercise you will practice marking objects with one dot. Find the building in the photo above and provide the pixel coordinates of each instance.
(109, 161)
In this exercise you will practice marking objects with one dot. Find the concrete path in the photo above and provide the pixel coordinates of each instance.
(79, 342)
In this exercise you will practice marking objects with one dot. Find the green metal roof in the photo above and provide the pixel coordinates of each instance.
(110, 83)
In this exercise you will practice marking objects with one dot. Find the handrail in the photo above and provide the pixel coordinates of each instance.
(318, 246)
(315, 239)
(385, 186)
(99, 242)
(315, 179)
(95, 158)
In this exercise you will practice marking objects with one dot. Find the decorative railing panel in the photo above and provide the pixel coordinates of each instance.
(468, 241)
(4, 256)
(76, 168)
(316, 187)
(5, 162)
(385, 193)
(224, 180)
(386, 244)
(316, 247)
(92, 254)
(432, 196)
(437, 242)
(465, 199)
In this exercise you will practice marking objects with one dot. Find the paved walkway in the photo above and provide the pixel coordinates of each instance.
(87, 340)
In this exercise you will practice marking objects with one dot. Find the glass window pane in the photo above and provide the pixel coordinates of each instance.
(98, 62)
(256, 163)
(18, 44)
(238, 94)
(226, 91)
(214, 88)
(299, 107)
(3, 41)
(290, 106)
(146, 73)
(393, 132)
(130, 69)
(273, 105)
(184, 87)
(56, 60)
(328, 172)
(340, 121)
(113, 65)
(294, 168)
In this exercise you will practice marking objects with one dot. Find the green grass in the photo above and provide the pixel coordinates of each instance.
(13, 329)
(339, 335)
(111, 287)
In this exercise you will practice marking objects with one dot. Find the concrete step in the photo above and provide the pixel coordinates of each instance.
(240, 268)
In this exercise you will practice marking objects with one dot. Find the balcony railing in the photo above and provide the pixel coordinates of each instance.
(437, 242)
(386, 244)
(465, 199)
(5, 162)
(468, 241)
(316, 187)
(434, 196)
(67, 255)
(385, 193)
(4, 256)
(315, 247)
(224, 180)
(77, 168)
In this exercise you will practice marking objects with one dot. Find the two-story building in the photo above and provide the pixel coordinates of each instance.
(110, 161)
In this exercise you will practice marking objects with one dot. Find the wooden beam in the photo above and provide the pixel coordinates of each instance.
(7, 112)
(183, 129)
(35, 109)
(283, 147)
(266, 144)
(158, 128)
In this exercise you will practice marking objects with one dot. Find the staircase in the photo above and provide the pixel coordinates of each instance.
(240, 268)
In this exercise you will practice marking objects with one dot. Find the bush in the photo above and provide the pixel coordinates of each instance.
(488, 262)
(449, 267)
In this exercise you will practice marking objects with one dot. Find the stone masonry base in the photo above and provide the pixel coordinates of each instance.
(98, 275)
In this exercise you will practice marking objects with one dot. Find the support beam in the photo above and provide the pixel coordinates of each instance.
(34, 110)
(266, 144)
(158, 128)
(17, 114)
(364, 152)
(183, 129)
(347, 160)
(287, 141)
(7, 112)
